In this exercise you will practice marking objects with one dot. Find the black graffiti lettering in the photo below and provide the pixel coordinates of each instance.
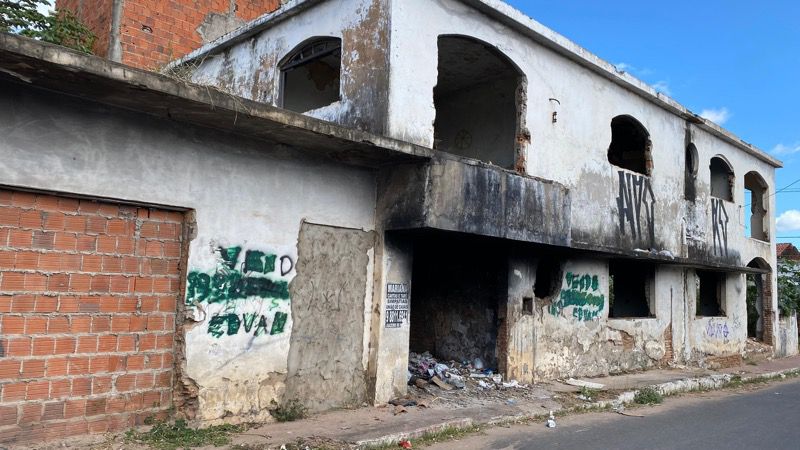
(719, 227)
(286, 265)
(636, 197)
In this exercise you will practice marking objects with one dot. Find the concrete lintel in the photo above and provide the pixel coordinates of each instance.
(45, 66)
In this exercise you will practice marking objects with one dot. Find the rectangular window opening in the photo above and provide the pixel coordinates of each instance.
(710, 288)
(631, 289)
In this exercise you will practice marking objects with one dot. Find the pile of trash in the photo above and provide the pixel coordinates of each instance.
(424, 369)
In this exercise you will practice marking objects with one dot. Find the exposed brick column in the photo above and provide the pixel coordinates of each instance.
(767, 311)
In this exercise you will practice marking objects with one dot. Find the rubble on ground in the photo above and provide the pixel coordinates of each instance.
(461, 383)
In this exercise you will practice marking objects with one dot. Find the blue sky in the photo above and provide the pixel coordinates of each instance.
(736, 62)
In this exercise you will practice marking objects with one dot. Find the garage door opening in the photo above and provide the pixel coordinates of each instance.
(458, 296)
(479, 100)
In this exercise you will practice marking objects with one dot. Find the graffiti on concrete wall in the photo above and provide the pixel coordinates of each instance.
(719, 227)
(718, 330)
(636, 206)
(582, 293)
(247, 292)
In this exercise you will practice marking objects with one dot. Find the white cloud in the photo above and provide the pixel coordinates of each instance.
(781, 149)
(46, 8)
(788, 221)
(662, 86)
(718, 115)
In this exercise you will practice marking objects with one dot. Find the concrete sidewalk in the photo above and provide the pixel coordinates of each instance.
(385, 425)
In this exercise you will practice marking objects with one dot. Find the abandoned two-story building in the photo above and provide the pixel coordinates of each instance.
(341, 182)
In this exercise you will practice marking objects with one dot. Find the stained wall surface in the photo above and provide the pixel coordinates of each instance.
(248, 200)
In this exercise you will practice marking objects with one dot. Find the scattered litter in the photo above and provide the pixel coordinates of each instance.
(420, 383)
(404, 443)
(478, 364)
(587, 384)
(399, 410)
(511, 401)
(480, 375)
(511, 384)
(437, 381)
(403, 402)
(497, 378)
(551, 421)
(483, 384)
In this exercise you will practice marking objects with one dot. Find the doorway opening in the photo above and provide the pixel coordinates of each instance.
(759, 294)
(459, 291)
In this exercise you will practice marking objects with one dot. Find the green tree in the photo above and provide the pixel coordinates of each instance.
(788, 286)
(58, 27)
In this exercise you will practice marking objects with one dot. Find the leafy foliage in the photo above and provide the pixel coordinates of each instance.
(289, 411)
(648, 396)
(167, 436)
(57, 27)
(788, 286)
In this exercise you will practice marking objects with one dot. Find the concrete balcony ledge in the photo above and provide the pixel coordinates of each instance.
(453, 194)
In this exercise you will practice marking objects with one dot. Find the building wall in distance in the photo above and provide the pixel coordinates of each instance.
(154, 32)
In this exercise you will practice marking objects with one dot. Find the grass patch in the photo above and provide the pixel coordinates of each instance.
(172, 436)
(433, 437)
(289, 411)
(648, 396)
(589, 393)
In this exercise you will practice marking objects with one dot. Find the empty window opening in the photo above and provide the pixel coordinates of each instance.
(527, 306)
(548, 278)
(310, 75)
(630, 145)
(756, 196)
(690, 177)
(630, 289)
(722, 179)
(479, 102)
(458, 299)
(710, 293)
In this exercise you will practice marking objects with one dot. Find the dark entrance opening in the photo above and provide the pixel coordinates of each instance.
(757, 292)
(459, 290)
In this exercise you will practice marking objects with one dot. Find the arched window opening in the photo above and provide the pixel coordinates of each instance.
(756, 196)
(479, 100)
(630, 145)
(690, 176)
(722, 179)
(310, 75)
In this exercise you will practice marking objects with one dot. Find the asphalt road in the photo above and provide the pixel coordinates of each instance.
(766, 418)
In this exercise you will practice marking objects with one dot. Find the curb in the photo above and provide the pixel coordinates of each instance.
(710, 382)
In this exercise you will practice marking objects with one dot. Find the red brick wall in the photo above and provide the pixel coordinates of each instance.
(154, 32)
(95, 14)
(88, 296)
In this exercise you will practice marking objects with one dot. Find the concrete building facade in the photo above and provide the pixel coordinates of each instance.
(344, 182)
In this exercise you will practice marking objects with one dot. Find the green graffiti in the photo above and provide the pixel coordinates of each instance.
(229, 324)
(230, 286)
(229, 321)
(227, 286)
(256, 261)
(582, 294)
(279, 323)
(230, 255)
(248, 319)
